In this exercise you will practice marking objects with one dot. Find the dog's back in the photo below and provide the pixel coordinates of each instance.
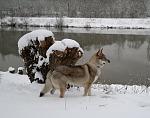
(77, 75)
(72, 71)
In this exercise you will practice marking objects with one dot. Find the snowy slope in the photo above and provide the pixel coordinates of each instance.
(120, 23)
(19, 99)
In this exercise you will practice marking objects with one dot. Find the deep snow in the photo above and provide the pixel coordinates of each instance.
(19, 99)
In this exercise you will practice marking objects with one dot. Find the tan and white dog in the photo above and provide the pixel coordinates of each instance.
(81, 75)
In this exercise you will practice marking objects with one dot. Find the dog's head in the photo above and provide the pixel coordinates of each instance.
(101, 58)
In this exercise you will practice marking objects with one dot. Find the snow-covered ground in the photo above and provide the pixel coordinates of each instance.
(120, 23)
(19, 99)
(82, 30)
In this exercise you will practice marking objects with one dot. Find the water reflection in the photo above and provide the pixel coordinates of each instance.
(135, 42)
(129, 54)
(8, 42)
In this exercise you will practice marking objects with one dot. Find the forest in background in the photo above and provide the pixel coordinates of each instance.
(76, 8)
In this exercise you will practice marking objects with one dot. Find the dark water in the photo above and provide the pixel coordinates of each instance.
(129, 54)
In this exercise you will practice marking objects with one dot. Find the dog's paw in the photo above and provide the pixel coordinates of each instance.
(61, 96)
(41, 94)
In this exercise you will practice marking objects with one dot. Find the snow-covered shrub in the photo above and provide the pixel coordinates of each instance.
(11, 70)
(20, 70)
(41, 53)
(65, 52)
(32, 48)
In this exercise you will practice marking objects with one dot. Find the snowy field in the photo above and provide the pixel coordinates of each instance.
(121, 23)
(19, 99)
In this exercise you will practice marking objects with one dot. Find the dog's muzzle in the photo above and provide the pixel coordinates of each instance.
(108, 60)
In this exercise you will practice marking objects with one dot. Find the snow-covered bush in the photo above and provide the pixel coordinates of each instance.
(11, 70)
(41, 53)
(32, 48)
(65, 52)
(20, 70)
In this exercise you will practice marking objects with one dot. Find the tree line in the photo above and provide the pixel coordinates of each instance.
(76, 8)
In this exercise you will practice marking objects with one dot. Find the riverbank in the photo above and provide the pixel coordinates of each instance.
(109, 23)
(81, 30)
(19, 98)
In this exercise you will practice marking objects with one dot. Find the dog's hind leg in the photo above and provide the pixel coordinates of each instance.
(47, 87)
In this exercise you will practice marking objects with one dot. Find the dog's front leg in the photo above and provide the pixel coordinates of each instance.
(89, 92)
(62, 92)
(87, 89)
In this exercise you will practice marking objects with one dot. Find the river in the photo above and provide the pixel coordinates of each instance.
(128, 52)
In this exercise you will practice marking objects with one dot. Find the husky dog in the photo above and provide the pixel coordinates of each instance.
(80, 75)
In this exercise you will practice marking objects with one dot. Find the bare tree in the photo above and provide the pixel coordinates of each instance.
(81, 8)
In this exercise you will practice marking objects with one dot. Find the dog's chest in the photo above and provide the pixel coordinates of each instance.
(97, 74)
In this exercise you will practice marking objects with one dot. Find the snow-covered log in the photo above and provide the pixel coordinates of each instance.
(41, 53)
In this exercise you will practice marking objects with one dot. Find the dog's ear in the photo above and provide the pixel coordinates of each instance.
(101, 50)
(98, 52)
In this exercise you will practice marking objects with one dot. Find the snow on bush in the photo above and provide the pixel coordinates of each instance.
(20, 70)
(32, 36)
(58, 45)
(38, 75)
(62, 45)
(41, 61)
(32, 48)
(11, 70)
(70, 43)
(38, 46)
